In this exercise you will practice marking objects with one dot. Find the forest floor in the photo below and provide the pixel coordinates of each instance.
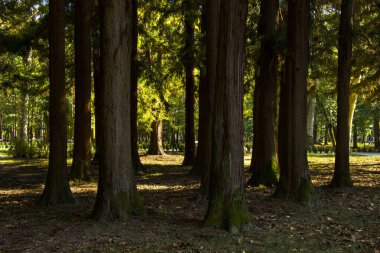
(345, 220)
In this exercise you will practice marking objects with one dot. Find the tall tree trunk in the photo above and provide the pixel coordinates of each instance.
(156, 143)
(207, 93)
(227, 205)
(342, 176)
(295, 182)
(117, 195)
(188, 62)
(326, 134)
(264, 164)
(137, 165)
(81, 167)
(57, 189)
(376, 132)
(204, 122)
(311, 103)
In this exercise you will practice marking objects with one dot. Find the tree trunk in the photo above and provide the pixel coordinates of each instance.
(22, 122)
(207, 93)
(156, 145)
(295, 182)
(200, 161)
(57, 189)
(137, 165)
(311, 103)
(117, 195)
(326, 134)
(351, 111)
(342, 176)
(227, 205)
(355, 137)
(188, 62)
(376, 130)
(1, 125)
(81, 167)
(264, 164)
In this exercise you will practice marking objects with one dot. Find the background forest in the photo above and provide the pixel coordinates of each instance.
(148, 120)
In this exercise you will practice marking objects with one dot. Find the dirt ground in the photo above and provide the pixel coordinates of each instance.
(335, 221)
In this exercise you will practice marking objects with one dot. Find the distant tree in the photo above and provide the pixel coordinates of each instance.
(227, 203)
(295, 182)
(117, 195)
(81, 167)
(57, 189)
(264, 164)
(156, 146)
(342, 176)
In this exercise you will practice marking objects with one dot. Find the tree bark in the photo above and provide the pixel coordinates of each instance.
(137, 165)
(117, 195)
(227, 205)
(355, 137)
(1, 125)
(156, 144)
(311, 103)
(264, 164)
(351, 111)
(57, 189)
(81, 167)
(295, 182)
(204, 122)
(342, 176)
(376, 130)
(188, 62)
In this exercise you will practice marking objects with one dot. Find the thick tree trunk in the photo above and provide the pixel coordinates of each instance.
(156, 143)
(57, 189)
(376, 132)
(295, 180)
(227, 205)
(117, 195)
(188, 62)
(22, 122)
(137, 165)
(81, 167)
(264, 165)
(342, 176)
(311, 103)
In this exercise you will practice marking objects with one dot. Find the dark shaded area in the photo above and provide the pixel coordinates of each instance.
(336, 220)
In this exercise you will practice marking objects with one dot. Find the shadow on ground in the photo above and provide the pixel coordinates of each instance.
(336, 220)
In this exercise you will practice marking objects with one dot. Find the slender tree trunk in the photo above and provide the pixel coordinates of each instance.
(326, 134)
(1, 125)
(188, 62)
(376, 130)
(227, 205)
(81, 167)
(342, 176)
(137, 165)
(264, 165)
(355, 137)
(351, 111)
(211, 18)
(311, 103)
(117, 195)
(200, 163)
(57, 189)
(22, 123)
(156, 144)
(295, 182)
